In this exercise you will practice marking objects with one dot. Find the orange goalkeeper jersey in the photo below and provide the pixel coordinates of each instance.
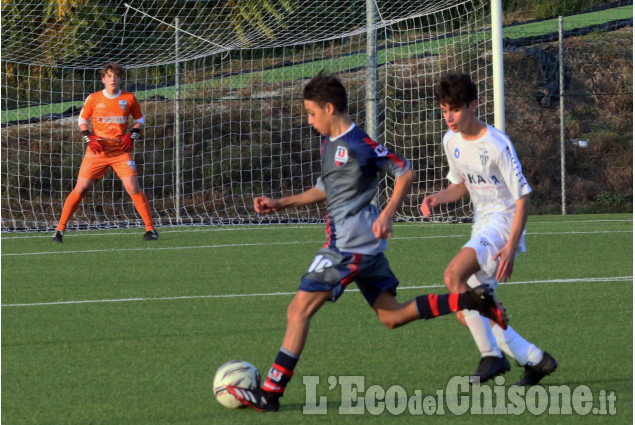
(109, 117)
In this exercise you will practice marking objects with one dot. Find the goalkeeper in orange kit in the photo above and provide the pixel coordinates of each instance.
(109, 146)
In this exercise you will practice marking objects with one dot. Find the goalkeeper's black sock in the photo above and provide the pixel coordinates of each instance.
(432, 305)
(280, 374)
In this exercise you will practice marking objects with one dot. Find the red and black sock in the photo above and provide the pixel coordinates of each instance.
(432, 305)
(280, 373)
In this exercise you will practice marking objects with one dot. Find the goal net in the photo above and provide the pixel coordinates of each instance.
(220, 84)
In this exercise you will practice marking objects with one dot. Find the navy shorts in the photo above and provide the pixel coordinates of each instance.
(333, 271)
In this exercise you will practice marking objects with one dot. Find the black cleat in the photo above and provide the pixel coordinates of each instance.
(57, 237)
(488, 368)
(533, 374)
(482, 299)
(257, 399)
(151, 235)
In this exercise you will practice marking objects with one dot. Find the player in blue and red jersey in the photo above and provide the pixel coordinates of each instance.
(357, 230)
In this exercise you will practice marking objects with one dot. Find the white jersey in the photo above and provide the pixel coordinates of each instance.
(490, 170)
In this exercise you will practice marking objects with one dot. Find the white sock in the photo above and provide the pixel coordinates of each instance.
(482, 333)
(523, 351)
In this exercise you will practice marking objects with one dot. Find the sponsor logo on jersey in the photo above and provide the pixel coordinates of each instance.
(478, 179)
(131, 164)
(112, 120)
(123, 104)
(457, 153)
(484, 155)
(381, 150)
(341, 156)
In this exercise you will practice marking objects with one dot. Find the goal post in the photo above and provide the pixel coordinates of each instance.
(498, 75)
(221, 89)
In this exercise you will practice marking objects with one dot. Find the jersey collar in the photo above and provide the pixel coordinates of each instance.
(343, 134)
(111, 96)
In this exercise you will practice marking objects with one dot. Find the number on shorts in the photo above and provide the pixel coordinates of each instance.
(319, 264)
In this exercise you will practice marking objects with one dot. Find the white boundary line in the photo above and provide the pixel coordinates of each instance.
(273, 294)
(252, 227)
(154, 247)
(161, 248)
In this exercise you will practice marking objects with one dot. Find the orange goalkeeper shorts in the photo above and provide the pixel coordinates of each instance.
(94, 166)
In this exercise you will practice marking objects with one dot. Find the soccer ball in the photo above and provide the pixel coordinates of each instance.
(238, 373)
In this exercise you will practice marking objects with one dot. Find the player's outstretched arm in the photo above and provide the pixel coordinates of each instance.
(264, 204)
(382, 227)
(452, 193)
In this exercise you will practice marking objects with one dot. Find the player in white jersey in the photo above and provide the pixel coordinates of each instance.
(483, 164)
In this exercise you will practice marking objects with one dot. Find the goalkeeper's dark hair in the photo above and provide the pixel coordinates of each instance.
(115, 68)
(456, 91)
(325, 88)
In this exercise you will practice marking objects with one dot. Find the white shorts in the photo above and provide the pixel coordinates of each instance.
(488, 237)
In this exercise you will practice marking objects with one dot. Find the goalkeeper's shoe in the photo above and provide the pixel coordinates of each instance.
(482, 299)
(151, 235)
(57, 237)
(262, 401)
(533, 374)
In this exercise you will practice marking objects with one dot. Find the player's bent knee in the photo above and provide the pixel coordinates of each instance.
(449, 279)
(132, 190)
(299, 312)
(453, 282)
(390, 320)
(83, 187)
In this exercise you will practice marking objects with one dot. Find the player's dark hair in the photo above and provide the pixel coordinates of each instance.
(325, 88)
(456, 91)
(115, 68)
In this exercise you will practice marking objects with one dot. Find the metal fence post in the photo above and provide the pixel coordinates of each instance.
(563, 184)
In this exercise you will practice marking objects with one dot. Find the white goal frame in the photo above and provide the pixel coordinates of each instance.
(223, 109)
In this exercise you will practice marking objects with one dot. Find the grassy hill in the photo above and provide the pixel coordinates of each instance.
(598, 108)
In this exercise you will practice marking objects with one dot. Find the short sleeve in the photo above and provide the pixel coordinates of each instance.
(453, 175)
(512, 172)
(373, 157)
(87, 109)
(320, 184)
(135, 109)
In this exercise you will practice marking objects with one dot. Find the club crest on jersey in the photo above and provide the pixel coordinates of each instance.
(457, 153)
(123, 104)
(341, 156)
(381, 150)
(484, 155)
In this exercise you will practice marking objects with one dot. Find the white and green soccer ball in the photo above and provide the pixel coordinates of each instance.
(238, 373)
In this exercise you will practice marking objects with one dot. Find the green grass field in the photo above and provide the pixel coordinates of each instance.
(107, 329)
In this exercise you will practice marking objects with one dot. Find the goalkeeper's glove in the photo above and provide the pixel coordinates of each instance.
(92, 140)
(128, 140)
